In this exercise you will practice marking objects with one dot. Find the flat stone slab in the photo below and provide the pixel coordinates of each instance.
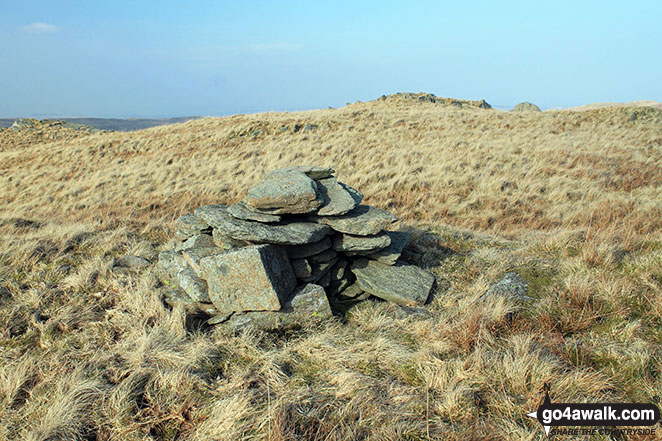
(282, 233)
(309, 249)
(225, 242)
(401, 283)
(242, 211)
(337, 197)
(351, 292)
(324, 256)
(312, 171)
(285, 192)
(364, 220)
(196, 241)
(189, 225)
(390, 254)
(256, 278)
(365, 244)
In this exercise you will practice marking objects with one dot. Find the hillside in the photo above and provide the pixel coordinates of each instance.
(570, 201)
(113, 124)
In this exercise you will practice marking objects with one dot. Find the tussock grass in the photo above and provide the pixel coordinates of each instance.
(568, 200)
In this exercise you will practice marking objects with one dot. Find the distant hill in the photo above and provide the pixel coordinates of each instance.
(114, 124)
(593, 106)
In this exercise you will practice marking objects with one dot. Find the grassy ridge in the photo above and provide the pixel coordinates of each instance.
(569, 200)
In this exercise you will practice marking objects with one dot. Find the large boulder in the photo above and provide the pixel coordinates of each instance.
(255, 278)
(282, 233)
(338, 198)
(401, 283)
(285, 192)
(364, 220)
(526, 107)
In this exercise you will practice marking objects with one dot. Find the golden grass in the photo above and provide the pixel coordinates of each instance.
(568, 200)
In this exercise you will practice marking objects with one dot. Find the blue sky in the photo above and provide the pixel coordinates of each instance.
(168, 58)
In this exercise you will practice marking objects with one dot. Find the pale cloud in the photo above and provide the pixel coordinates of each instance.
(41, 28)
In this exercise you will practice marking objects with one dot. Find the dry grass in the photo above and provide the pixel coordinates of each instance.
(568, 200)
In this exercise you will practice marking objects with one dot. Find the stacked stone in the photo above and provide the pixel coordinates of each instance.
(299, 242)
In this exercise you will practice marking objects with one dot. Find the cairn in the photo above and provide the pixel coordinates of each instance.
(299, 243)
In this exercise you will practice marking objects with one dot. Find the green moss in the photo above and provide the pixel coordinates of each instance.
(409, 374)
(540, 278)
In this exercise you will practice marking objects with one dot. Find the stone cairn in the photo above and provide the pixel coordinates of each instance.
(298, 243)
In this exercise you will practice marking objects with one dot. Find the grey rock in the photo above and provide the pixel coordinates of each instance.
(284, 233)
(364, 220)
(312, 171)
(363, 296)
(366, 244)
(301, 268)
(338, 270)
(131, 263)
(526, 107)
(176, 297)
(256, 278)
(337, 197)
(173, 267)
(265, 320)
(403, 312)
(189, 225)
(193, 286)
(401, 283)
(319, 270)
(324, 256)
(285, 192)
(243, 211)
(352, 291)
(338, 287)
(192, 257)
(219, 318)
(169, 264)
(390, 254)
(225, 242)
(309, 249)
(325, 280)
(510, 285)
(196, 241)
(310, 300)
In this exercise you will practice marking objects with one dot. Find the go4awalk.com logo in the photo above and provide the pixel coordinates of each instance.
(603, 417)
